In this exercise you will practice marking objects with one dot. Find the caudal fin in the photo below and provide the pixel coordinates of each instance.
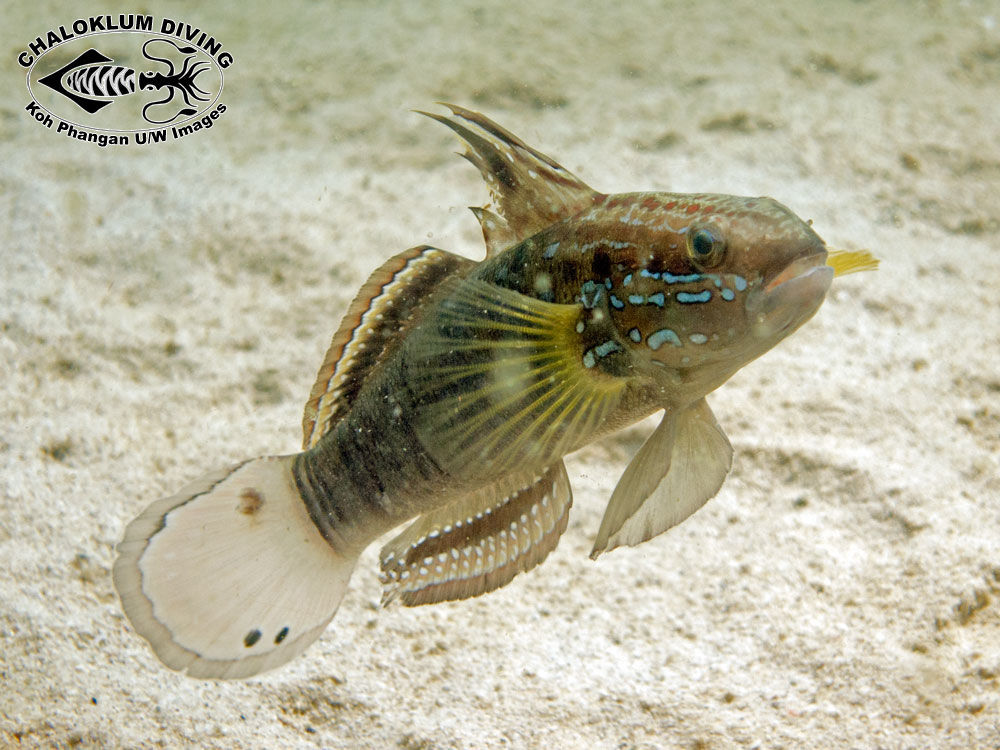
(230, 576)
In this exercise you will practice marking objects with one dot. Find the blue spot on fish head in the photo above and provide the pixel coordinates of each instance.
(590, 294)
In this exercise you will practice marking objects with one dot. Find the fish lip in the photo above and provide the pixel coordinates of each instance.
(791, 297)
(797, 268)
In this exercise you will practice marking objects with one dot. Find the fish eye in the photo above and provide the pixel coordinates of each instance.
(706, 247)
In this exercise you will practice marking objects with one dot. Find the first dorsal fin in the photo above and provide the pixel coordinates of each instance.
(372, 326)
(496, 231)
(480, 542)
(531, 191)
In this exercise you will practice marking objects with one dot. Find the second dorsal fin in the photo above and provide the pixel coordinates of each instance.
(531, 191)
(373, 325)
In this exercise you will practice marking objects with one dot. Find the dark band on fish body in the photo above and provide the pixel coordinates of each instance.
(364, 473)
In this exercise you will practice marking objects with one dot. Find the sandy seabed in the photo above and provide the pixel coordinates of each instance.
(163, 311)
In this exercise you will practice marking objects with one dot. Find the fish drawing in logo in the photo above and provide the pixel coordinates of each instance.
(92, 81)
(453, 390)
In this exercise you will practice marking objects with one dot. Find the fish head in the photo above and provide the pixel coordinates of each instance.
(727, 279)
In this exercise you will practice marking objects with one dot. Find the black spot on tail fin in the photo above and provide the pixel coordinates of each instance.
(222, 593)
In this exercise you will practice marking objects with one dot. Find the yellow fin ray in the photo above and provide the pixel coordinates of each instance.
(503, 382)
(844, 262)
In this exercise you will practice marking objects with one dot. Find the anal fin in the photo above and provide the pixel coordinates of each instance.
(478, 543)
(677, 470)
(372, 326)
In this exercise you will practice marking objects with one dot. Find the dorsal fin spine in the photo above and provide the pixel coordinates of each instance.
(530, 190)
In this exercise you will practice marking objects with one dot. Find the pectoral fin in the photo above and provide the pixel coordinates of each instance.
(502, 381)
(676, 471)
(480, 542)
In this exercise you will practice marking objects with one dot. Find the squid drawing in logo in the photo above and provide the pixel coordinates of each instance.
(92, 74)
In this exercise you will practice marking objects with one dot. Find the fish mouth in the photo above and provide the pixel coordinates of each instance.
(798, 267)
(791, 297)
